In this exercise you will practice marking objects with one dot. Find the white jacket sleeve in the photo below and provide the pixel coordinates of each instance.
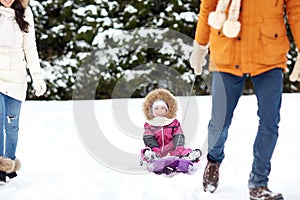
(29, 46)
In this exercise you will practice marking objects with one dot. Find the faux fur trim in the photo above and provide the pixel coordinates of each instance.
(162, 94)
(216, 20)
(17, 165)
(231, 29)
(24, 3)
(6, 164)
(160, 121)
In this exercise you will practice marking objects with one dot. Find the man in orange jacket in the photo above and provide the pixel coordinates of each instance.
(245, 38)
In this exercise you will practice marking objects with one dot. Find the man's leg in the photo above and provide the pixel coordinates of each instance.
(226, 91)
(268, 90)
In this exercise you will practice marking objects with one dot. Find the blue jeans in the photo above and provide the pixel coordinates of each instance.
(226, 91)
(9, 122)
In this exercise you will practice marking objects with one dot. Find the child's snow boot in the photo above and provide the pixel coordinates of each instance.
(149, 156)
(194, 156)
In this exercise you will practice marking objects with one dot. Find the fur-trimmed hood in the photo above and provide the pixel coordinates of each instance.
(24, 3)
(162, 94)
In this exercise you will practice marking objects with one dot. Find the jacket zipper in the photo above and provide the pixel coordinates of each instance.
(163, 141)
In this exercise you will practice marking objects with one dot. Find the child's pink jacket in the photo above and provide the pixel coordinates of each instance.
(166, 138)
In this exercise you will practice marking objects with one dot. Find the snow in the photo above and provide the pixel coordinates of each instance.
(187, 16)
(58, 164)
(130, 9)
(84, 29)
(82, 11)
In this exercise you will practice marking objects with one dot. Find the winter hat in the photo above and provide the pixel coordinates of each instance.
(157, 95)
(231, 25)
(159, 102)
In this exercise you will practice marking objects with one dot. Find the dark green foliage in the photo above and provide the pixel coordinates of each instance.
(68, 32)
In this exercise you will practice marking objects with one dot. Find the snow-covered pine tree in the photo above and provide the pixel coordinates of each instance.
(68, 31)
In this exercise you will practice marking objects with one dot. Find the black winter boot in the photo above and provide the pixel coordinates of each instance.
(11, 175)
(2, 177)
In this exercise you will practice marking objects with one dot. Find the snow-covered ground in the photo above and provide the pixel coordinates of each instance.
(58, 165)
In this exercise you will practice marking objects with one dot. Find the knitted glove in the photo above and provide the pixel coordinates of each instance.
(181, 151)
(39, 85)
(295, 76)
(156, 151)
(197, 58)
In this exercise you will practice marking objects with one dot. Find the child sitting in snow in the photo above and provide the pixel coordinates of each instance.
(163, 134)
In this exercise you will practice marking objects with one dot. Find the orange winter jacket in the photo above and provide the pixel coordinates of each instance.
(262, 43)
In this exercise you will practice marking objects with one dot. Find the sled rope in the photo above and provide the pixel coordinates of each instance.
(189, 97)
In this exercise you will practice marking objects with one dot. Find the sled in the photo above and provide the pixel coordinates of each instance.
(170, 165)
